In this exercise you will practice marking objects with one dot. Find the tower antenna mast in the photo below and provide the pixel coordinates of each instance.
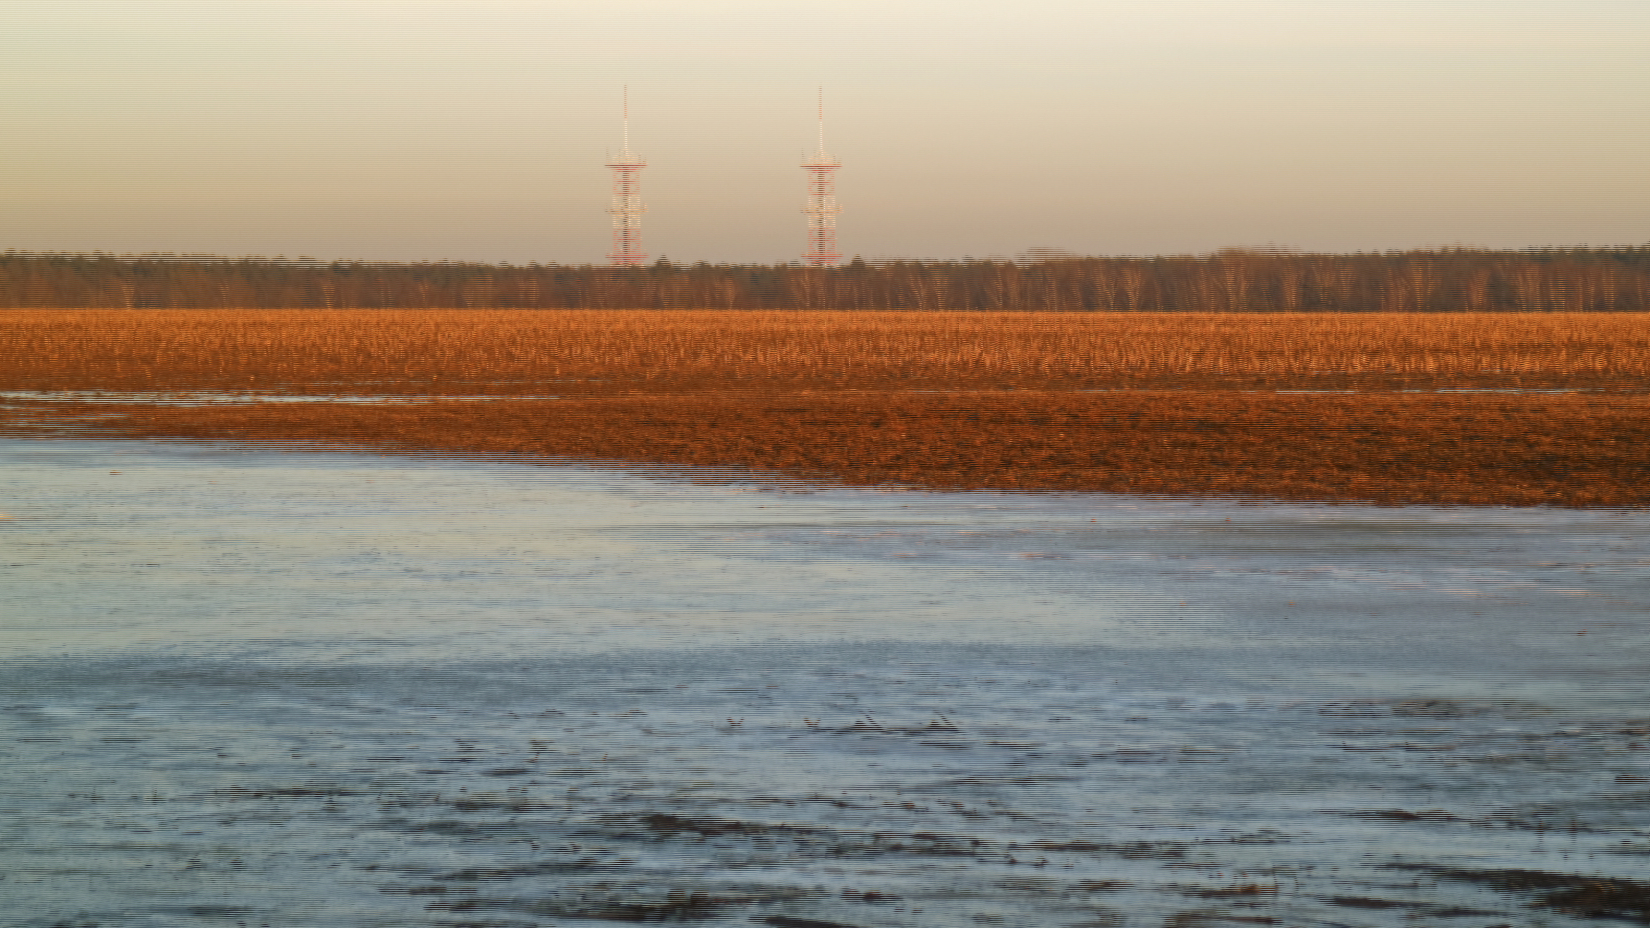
(627, 208)
(820, 205)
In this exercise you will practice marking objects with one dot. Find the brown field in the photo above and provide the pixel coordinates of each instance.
(1186, 404)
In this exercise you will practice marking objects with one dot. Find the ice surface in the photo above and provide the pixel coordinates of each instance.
(281, 688)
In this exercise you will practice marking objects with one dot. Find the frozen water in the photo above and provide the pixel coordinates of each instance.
(292, 688)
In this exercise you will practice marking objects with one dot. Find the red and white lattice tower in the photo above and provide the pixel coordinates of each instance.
(821, 203)
(627, 206)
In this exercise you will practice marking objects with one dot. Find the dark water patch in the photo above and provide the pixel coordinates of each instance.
(1402, 815)
(1204, 918)
(634, 905)
(1409, 708)
(788, 921)
(207, 911)
(1365, 902)
(1099, 886)
(1574, 894)
(428, 889)
(822, 842)
(517, 805)
(541, 868)
(327, 791)
(1135, 850)
(677, 824)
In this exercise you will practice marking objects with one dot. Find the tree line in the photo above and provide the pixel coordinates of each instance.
(1438, 280)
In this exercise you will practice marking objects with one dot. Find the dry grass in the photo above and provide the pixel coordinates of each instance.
(598, 351)
(1564, 449)
(945, 400)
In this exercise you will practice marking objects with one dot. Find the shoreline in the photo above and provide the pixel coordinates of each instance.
(1571, 450)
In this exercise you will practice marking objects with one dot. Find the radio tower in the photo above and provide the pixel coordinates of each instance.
(821, 204)
(627, 207)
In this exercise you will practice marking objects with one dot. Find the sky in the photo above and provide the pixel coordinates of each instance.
(477, 130)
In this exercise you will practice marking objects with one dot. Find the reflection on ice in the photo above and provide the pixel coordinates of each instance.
(303, 689)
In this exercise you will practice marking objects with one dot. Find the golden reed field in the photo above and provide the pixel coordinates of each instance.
(1521, 409)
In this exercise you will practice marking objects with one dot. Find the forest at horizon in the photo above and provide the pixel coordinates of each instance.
(1233, 280)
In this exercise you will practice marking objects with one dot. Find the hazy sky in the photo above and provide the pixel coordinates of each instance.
(477, 129)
